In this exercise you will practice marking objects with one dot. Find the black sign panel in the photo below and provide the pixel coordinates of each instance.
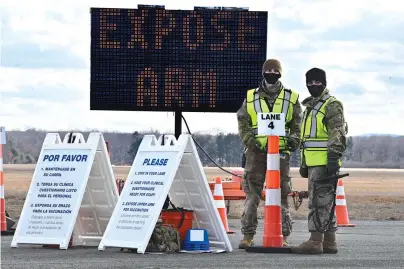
(153, 59)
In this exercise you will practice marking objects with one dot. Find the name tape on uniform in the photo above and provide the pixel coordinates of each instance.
(271, 124)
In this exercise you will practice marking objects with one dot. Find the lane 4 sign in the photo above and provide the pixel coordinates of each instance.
(271, 124)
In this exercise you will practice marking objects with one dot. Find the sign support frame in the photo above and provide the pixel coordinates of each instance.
(184, 182)
(95, 147)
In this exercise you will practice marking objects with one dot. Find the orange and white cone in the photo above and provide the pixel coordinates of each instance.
(341, 207)
(273, 237)
(3, 219)
(218, 196)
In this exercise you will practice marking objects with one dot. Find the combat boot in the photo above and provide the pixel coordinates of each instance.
(313, 246)
(246, 242)
(329, 244)
(285, 241)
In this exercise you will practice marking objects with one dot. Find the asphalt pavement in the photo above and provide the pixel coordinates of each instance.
(371, 244)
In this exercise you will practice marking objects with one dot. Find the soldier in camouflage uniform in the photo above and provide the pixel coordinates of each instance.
(323, 141)
(270, 96)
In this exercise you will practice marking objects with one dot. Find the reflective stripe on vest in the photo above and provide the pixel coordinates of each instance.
(314, 135)
(283, 104)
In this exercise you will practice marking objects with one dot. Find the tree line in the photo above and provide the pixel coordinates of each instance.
(23, 147)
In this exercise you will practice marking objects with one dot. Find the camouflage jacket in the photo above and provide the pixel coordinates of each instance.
(335, 123)
(245, 125)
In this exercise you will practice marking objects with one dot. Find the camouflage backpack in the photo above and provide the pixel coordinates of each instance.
(165, 238)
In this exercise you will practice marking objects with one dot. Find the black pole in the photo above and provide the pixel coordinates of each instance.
(177, 133)
(177, 124)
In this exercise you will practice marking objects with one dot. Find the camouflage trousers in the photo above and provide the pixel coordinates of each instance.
(253, 184)
(321, 197)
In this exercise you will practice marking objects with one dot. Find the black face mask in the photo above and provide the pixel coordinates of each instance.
(271, 78)
(316, 90)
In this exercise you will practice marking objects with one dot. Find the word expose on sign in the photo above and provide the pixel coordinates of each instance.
(153, 59)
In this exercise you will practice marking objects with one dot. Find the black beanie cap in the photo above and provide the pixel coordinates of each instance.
(316, 74)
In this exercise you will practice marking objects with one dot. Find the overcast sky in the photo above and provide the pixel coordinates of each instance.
(44, 78)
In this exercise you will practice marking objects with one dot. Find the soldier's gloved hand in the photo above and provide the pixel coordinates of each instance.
(293, 143)
(332, 165)
(253, 143)
(304, 171)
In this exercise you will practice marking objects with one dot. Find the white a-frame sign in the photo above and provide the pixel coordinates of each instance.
(163, 166)
(73, 190)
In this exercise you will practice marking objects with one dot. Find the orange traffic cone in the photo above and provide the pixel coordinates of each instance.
(273, 237)
(3, 222)
(341, 207)
(218, 196)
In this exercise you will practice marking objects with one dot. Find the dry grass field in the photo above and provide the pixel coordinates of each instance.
(371, 194)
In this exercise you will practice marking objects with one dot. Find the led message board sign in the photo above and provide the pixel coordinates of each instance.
(153, 59)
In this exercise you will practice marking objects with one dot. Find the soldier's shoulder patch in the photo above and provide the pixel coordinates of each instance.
(334, 104)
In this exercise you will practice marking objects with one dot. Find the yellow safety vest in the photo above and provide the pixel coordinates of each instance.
(283, 104)
(314, 135)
